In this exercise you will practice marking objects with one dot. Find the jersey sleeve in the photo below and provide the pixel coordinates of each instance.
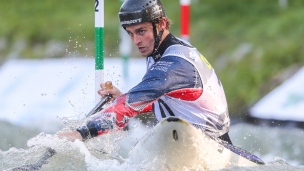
(168, 74)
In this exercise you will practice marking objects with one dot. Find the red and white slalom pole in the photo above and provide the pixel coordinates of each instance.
(185, 18)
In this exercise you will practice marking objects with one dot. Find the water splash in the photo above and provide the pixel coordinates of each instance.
(107, 152)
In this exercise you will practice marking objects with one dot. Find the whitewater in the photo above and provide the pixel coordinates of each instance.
(280, 148)
(28, 125)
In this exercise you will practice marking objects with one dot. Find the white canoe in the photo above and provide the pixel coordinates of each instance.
(174, 144)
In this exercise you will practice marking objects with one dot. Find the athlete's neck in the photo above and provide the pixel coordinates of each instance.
(168, 41)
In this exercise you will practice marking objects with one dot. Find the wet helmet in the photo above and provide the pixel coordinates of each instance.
(140, 11)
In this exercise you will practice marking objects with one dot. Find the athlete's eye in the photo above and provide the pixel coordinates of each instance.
(141, 32)
(130, 34)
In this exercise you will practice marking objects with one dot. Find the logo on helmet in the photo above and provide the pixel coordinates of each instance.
(156, 9)
(131, 21)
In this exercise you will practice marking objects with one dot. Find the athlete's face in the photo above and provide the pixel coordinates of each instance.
(142, 37)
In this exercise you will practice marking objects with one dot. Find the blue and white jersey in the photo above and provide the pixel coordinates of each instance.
(179, 81)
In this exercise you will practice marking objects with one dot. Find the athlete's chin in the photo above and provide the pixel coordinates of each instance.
(145, 54)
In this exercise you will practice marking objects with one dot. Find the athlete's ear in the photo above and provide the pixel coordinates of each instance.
(162, 24)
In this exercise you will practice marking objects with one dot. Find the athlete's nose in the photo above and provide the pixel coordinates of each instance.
(136, 39)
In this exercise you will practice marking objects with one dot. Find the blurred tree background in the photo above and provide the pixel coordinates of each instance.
(253, 45)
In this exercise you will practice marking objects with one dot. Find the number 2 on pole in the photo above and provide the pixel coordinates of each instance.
(96, 5)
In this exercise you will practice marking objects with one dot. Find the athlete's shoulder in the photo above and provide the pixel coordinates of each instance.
(173, 63)
(188, 53)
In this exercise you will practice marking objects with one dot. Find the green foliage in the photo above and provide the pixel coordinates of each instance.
(275, 35)
(272, 35)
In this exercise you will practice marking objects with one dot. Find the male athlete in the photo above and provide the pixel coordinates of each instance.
(179, 81)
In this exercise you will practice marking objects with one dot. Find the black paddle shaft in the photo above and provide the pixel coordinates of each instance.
(99, 105)
(103, 101)
(36, 166)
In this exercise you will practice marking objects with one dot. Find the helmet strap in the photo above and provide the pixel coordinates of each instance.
(157, 38)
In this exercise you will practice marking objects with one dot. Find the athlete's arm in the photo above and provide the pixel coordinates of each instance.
(166, 75)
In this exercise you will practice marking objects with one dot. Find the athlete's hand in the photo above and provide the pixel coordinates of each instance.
(70, 135)
(115, 92)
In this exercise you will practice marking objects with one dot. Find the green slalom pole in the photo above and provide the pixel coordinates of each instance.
(99, 46)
